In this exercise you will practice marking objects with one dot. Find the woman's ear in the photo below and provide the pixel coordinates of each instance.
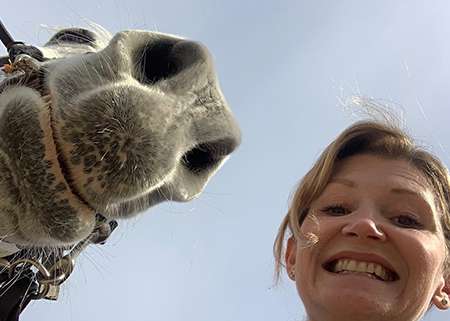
(290, 257)
(441, 298)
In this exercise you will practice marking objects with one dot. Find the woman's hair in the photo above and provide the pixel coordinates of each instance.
(374, 138)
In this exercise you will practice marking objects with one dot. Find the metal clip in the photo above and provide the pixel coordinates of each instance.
(48, 278)
(52, 293)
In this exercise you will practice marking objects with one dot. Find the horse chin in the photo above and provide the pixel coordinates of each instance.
(43, 208)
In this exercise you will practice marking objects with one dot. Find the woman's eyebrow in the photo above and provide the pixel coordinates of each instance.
(343, 181)
(406, 191)
(396, 190)
(415, 194)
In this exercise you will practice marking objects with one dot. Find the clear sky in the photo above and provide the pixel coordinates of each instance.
(284, 67)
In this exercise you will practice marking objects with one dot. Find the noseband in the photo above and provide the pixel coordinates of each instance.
(31, 274)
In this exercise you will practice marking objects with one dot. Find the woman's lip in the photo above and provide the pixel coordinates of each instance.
(361, 256)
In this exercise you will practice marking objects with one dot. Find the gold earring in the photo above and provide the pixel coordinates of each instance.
(444, 301)
(292, 274)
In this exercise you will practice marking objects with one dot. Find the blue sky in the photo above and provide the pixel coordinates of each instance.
(284, 67)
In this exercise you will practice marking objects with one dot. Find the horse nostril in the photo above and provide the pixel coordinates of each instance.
(155, 61)
(207, 155)
(167, 57)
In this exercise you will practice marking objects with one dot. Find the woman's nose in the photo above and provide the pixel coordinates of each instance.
(363, 226)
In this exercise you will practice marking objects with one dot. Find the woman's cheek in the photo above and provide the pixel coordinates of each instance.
(306, 266)
(425, 257)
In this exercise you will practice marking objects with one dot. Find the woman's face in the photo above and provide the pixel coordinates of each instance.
(380, 248)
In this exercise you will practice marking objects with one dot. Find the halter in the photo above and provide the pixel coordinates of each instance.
(29, 274)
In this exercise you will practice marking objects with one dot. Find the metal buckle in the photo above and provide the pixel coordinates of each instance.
(50, 277)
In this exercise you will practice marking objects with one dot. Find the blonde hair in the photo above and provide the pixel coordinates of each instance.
(368, 137)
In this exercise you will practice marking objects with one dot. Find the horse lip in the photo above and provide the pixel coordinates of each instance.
(60, 159)
(46, 94)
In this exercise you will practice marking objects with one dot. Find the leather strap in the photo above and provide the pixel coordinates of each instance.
(15, 298)
(5, 36)
(18, 47)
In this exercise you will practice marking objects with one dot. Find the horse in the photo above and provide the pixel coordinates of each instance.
(95, 128)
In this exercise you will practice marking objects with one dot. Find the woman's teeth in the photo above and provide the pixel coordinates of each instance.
(347, 265)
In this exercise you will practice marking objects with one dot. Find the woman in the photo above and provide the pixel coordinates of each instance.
(369, 229)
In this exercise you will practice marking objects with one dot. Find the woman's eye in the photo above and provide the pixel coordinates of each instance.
(336, 210)
(407, 221)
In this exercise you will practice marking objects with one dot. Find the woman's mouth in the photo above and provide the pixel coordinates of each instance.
(370, 269)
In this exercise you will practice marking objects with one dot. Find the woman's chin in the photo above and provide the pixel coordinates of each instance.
(353, 306)
(358, 288)
(354, 298)
(358, 302)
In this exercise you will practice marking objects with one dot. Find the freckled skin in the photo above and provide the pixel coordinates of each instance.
(118, 136)
(35, 185)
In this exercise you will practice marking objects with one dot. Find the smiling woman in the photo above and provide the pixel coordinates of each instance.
(369, 229)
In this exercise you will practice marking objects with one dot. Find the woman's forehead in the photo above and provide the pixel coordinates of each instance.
(364, 169)
(381, 176)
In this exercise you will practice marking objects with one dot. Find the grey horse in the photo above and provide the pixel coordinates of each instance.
(110, 125)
